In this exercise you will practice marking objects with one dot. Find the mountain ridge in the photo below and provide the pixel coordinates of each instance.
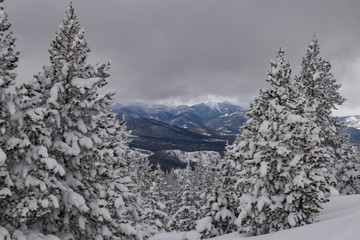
(222, 116)
(200, 127)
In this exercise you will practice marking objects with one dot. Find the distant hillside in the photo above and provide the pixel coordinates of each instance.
(186, 129)
(161, 139)
(352, 128)
(202, 127)
(225, 117)
(351, 121)
(155, 136)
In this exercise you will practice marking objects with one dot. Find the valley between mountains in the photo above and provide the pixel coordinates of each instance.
(171, 136)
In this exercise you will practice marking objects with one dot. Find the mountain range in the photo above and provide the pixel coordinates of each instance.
(224, 117)
(352, 128)
(351, 121)
(200, 127)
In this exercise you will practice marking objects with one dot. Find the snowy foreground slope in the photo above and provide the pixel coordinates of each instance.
(340, 220)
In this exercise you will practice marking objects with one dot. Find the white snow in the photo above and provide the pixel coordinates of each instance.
(127, 229)
(54, 92)
(177, 236)
(203, 224)
(339, 220)
(83, 84)
(296, 159)
(75, 199)
(316, 76)
(263, 169)
(52, 164)
(352, 121)
(4, 234)
(11, 108)
(86, 142)
(291, 219)
(208, 158)
(293, 119)
(44, 203)
(119, 202)
(82, 126)
(54, 201)
(105, 231)
(2, 157)
(5, 192)
(214, 105)
(82, 222)
(261, 202)
(264, 128)
(31, 235)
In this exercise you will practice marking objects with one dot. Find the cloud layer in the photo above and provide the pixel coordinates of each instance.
(185, 50)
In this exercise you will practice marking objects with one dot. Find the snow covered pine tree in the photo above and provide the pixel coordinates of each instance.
(317, 82)
(8, 62)
(75, 166)
(280, 166)
(186, 214)
(156, 201)
(220, 211)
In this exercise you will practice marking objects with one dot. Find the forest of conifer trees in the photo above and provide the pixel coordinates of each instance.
(67, 171)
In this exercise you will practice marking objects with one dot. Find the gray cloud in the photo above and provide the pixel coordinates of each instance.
(186, 49)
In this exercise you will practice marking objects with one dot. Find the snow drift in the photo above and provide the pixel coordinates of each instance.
(339, 220)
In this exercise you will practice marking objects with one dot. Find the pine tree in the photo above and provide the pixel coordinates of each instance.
(205, 173)
(318, 83)
(139, 170)
(184, 219)
(171, 192)
(348, 169)
(76, 158)
(156, 201)
(280, 165)
(8, 62)
(219, 211)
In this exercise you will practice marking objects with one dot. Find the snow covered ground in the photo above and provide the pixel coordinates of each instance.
(207, 158)
(340, 220)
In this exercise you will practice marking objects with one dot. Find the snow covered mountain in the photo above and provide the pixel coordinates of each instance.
(351, 121)
(339, 220)
(223, 116)
(215, 116)
(186, 129)
(177, 134)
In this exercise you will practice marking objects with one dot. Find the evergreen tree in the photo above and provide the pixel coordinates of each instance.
(219, 211)
(156, 201)
(171, 192)
(114, 183)
(280, 165)
(76, 157)
(139, 170)
(8, 62)
(348, 168)
(184, 219)
(205, 173)
(318, 83)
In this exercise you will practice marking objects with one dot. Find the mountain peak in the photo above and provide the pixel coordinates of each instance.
(351, 121)
(219, 116)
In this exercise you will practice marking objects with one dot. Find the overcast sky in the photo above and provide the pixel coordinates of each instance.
(187, 51)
